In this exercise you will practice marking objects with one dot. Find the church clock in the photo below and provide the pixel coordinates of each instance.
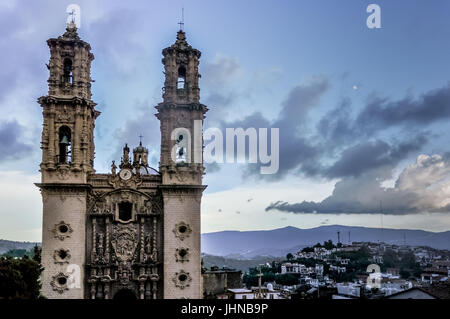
(125, 174)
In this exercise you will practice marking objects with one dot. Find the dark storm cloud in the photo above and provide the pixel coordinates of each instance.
(145, 124)
(11, 144)
(364, 156)
(421, 187)
(295, 149)
(347, 143)
(360, 148)
(380, 113)
(334, 126)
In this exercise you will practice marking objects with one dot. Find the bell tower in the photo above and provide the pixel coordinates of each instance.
(67, 161)
(181, 165)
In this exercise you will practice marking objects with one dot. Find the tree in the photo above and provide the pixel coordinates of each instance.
(286, 279)
(390, 258)
(404, 274)
(328, 245)
(308, 250)
(289, 256)
(19, 278)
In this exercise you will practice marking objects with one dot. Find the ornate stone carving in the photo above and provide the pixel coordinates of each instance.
(182, 254)
(61, 256)
(62, 230)
(182, 230)
(124, 242)
(182, 279)
(59, 282)
(134, 182)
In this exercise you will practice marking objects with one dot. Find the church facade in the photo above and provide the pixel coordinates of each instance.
(135, 231)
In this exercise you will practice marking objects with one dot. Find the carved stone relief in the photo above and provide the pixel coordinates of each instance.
(182, 254)
(62, 230)
(182, 230)
(182, 279)
(61, 256)
(59, 282)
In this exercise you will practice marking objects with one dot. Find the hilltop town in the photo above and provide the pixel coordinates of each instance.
(361, 270)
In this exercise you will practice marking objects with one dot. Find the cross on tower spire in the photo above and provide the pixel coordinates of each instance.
(72, 14)
(181, 23)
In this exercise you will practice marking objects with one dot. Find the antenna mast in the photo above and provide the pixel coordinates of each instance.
(381, 217)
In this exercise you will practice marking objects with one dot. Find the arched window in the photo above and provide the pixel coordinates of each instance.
(65, 138)
(181, 156)
(125, 211)
(181, 77)
(68, 77)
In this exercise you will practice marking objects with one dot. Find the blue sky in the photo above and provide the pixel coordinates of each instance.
(362, 112)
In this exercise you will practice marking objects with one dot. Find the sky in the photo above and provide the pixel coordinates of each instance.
(362, 113)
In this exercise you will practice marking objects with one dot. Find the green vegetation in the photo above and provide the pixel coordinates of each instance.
(269, 274)
(18, 253)
(406, 262)
(357, 264)
(238, 264)
(19, 275)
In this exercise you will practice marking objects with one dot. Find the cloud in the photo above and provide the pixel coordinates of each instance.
(221, 70)
(364, 156)
(380, 113)
(296, 151)
(423, 186)
(11, 141)
(145, 124)
(348, 141)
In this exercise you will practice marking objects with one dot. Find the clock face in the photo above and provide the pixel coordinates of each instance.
(125, 174)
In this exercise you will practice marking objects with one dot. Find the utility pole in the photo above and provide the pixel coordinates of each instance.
(259, 296)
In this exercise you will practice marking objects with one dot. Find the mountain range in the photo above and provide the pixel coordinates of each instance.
(279, 242)
(7, 245)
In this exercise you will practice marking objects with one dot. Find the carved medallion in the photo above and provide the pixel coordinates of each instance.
(182, 230)
(62, 230)
(59, 282)
(182, 279)
(124, 242)
(61, 256)
(182, 254)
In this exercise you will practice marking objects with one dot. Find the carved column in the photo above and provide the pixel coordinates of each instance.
(154, 282)
(106, 289)
(93, 288)
(51, 138)
(142, 220)
(107, 256)
(77, 138)
(94, 239)
(142, 289)
(154, 250)
(148, 293)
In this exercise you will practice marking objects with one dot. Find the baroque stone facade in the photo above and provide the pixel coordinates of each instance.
(133, 232)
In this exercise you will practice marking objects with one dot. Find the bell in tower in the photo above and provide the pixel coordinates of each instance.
(68, 111)
(181, 166)
(181, 114)
(67, 161)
